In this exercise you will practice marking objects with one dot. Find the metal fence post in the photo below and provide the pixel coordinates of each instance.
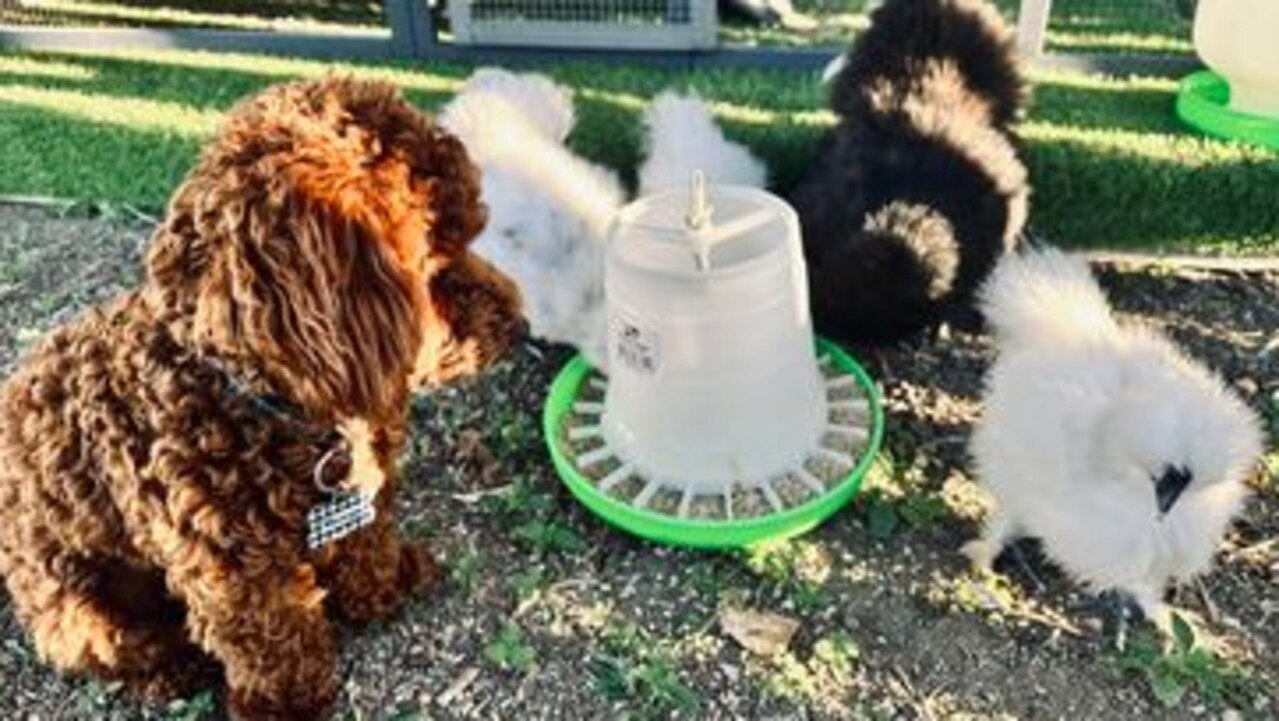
(1032, 27)
(412, 31)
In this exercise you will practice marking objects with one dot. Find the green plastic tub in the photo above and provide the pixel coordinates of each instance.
(1204, 103)
(701, 533)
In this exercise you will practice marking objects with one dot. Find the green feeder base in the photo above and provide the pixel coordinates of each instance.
(711, 532)
(1204, 103)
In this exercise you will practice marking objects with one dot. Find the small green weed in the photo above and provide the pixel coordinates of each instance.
(823, 681)
(406, 712)
(650, 689)
(530, 513)
(886, 514)
(511, 651)
(97, 696)
(196, 708)
(838, 652)
(638, 672)
(549, 537)
(799, 569)
(465, 571)
(703, 576)
(527, 583)
(417, 528)
(524, 500)
(516, 434)
(1186, 666)
(881, 517)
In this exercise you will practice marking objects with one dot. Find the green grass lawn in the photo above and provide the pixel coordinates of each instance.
(1111, 165)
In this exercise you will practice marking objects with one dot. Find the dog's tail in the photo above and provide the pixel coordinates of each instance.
(683, 137)
(907, 37)
(1045, 295)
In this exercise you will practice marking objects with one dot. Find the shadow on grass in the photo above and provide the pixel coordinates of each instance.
(1148, 184)
(216, 14)
(353, 11)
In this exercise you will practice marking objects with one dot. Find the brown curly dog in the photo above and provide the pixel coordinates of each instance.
(159, 457)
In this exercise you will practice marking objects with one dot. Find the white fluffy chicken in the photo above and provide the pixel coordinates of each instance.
(550, 210)
(1127, 459)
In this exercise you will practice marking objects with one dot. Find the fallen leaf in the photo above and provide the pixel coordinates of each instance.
(764, 634)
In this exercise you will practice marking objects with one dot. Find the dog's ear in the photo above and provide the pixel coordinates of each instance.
(312, 288)
(304, 241)
(322, 297)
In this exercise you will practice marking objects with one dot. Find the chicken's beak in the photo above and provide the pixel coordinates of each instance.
(1170, 486)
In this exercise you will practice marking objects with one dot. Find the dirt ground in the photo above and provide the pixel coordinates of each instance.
(550, 614)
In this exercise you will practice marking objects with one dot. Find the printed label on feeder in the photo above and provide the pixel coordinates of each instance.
(636, 347)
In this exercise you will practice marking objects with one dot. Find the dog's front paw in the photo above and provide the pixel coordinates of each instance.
(418, 568)
(372, 588)
(181, 676)
(304, 705)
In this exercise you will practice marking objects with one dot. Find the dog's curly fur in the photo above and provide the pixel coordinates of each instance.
(152, 516)
(918, 190)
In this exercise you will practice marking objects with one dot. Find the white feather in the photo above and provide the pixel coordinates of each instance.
(683, 137)
(1081, 414)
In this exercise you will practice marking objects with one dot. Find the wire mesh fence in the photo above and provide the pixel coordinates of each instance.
(584, 11)
(656, 24)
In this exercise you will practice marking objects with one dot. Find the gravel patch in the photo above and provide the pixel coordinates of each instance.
(549, 613)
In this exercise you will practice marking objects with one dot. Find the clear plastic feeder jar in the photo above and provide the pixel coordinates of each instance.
(713, 379)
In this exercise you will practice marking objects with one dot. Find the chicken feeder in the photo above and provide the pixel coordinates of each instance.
(1237, 98)
(723, 421)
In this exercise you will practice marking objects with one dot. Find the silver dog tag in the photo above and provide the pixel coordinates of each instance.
(342, 515)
